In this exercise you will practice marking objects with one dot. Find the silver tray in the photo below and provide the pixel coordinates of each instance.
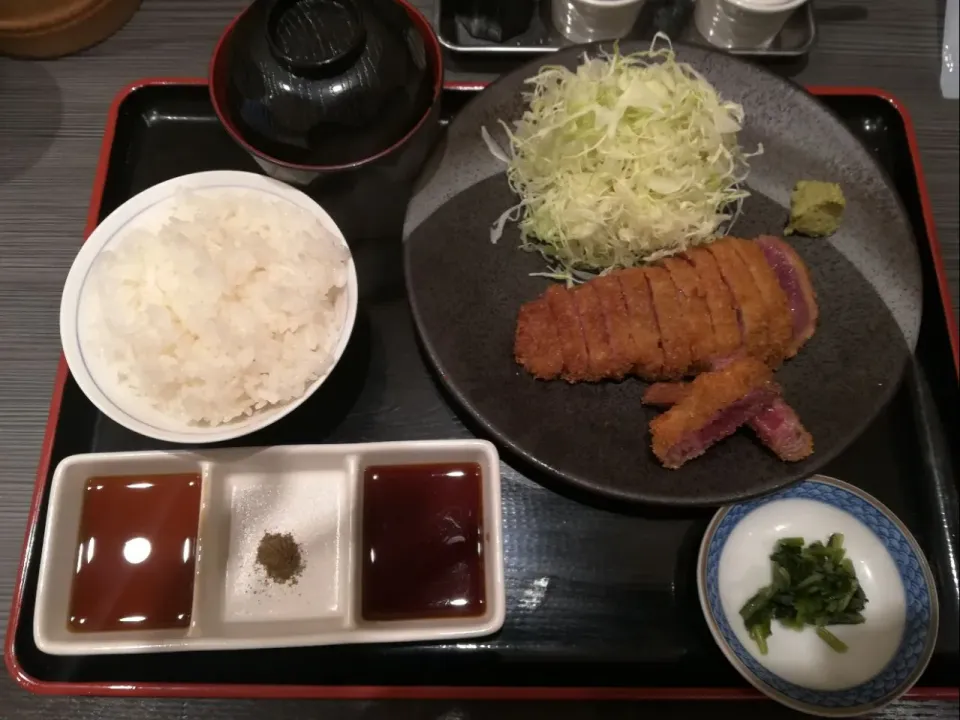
(674, 17)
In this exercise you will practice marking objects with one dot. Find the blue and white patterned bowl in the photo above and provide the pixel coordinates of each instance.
(887, 653)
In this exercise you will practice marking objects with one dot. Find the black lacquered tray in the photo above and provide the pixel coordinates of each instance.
(601, 601)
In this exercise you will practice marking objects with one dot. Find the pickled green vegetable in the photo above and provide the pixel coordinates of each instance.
(813, 585)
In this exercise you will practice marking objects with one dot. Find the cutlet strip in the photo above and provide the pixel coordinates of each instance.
(643, 322)
(750, 306)
(716, 404)
(703, 345)
(779, 428)
(722, 425)
(665, 394)
(779, 319)
(536, 343)
(573, 347)
(720, 302)
(794, 279)
(623, 349)
(674, 338)
(602, 361)
(775, 424)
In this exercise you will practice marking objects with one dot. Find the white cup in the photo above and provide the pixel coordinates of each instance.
(588, 20)
(743, 23)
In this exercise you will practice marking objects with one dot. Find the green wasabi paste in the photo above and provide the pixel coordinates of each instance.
(815, 208)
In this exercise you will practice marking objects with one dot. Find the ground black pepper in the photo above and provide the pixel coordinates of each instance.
(279, 556)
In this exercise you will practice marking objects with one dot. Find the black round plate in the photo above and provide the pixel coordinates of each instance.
(465, 293)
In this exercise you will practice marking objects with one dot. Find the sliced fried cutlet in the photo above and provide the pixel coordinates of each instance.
(536, 345)
(623, 349)
(674, 335)
(717, 403)
(779, 428)
(665, 394)
(703, 346)
(603, 363)
(720, 302)
(576, 364)
(794, 278)
(779, 318)
(751, 308)
(643, 322)
(776, 424)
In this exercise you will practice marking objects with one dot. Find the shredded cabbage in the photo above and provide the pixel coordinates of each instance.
(628, 159)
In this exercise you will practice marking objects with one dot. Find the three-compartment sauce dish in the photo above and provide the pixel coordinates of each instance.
(274, 547)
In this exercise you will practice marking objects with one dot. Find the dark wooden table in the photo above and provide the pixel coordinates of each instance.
(51, 119)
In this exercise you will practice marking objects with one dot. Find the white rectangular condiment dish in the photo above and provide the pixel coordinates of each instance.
(313, 492)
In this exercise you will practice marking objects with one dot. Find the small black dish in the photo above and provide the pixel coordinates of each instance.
(312, 87)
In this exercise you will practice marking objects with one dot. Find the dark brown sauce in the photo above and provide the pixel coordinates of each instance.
(422, 542)
(136, 553)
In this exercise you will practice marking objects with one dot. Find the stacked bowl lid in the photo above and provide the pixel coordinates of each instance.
(325, 85)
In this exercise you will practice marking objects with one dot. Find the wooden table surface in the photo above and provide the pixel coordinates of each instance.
(51, 119)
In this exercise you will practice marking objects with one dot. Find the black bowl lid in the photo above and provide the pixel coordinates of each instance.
(315, 37)
(219, 81)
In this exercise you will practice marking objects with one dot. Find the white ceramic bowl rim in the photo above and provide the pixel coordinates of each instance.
(920, 633)
(764, 7)
(603, 4)
(110, 228)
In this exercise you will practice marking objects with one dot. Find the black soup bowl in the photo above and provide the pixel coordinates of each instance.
(312, 88)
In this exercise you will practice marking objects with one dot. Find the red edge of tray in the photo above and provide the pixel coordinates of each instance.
(364, 692)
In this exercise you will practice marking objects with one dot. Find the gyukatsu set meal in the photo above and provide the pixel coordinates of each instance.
(630, 179)
(231, 304)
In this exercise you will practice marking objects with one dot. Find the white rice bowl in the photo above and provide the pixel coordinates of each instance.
(208, 306)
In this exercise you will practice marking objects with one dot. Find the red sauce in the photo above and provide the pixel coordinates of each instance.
(422, 542)
(136, 554)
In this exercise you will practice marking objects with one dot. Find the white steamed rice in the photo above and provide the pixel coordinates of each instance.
(234, 304)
